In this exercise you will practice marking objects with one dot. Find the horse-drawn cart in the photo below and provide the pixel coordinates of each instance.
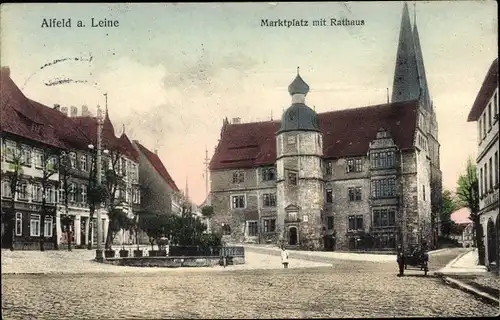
(414, 259)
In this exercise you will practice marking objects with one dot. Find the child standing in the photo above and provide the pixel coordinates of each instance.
(284, 257)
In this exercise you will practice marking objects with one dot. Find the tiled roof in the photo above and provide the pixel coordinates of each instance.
(345, 133)
(17, 114)
(490, 83)
(158, 165)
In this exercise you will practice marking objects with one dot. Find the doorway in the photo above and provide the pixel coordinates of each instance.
(292, 236)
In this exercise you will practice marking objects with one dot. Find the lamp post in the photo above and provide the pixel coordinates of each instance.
(99, 256)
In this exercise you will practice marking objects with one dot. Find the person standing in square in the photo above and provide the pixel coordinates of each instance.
(284, 257)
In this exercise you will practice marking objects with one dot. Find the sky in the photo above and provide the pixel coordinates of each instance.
(173, 72)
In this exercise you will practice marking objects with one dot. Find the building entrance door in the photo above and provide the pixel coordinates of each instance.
(492, 242)
(292, 237)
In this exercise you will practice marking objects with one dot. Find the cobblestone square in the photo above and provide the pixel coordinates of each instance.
(259, 289)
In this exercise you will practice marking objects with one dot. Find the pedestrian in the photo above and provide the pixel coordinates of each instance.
(284, 257)
(401, 261)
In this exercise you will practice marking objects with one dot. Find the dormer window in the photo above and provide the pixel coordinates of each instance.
(268, 174)
(238, 177)
(35, 127)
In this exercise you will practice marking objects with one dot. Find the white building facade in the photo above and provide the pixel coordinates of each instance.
(486, 112)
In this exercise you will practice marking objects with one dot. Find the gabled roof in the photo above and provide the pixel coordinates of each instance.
(158, 165)
(18, 113)
(490, 83)
(346, 133)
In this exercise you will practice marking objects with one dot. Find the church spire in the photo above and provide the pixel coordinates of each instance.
(406, 84)
(422, 79)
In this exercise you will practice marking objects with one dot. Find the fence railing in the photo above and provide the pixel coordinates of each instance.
(194, 251)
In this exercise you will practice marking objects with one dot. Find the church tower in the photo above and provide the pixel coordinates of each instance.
(410, 83)
(299, 152)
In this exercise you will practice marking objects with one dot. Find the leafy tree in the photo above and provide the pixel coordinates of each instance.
(208, 212)
(64, 186)
(13, 175)
(155, 226)
(468, 193)
(116, 187)
(448, 206)
(49, 168)
(118, 220)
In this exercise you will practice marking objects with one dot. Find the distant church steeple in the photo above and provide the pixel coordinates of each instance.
(410, 81)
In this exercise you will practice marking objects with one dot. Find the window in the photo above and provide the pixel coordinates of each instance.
(269, 200)
(226, 229)
(489, 115)
(23, 191)
(10, 152)
(484, 125)
(238, 202)
(253, 228)
(38, 159)
(382, 160)
(269, 225)
(496, 169)
(485, 181)
(355, 222)
(6, 190)
(84, 193)
(35, 225)
(238, 177)
(329, 222)
(72, 158)
(495, 109)
(19, 224)
(62, 195)
(292, 177)
(50, 194)
(384, 218)
(329, 196)
(354, 165)
(48, 227)
(491, 174)
(354, 194)
(72, 193)
(423, 192)
(133, 173)
(291, 140)
(382, 188)
(26, 156)
(268, 174)
(123, 166)
(135, 196)
(329, 167)
(481, 191)
(480, 135)
(84, 162)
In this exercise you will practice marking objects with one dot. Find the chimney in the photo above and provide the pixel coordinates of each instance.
(6, 71)
(73, 111)
(57, 107)
(64, 110)
(85, 111)
(236, 120)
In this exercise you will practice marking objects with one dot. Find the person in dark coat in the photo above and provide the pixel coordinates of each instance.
(401, 261)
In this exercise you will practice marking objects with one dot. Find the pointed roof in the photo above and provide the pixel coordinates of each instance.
(425, 97)
(158, 165)
(406, 84)
(490, 83)
(298, 85)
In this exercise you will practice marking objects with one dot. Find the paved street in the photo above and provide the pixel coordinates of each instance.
(341, 289)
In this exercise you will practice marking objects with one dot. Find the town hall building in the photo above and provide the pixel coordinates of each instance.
(363, 178)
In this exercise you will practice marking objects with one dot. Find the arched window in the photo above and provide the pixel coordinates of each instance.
(226, 230)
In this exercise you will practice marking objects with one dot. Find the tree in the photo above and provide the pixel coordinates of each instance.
(208, 212)
(96, 194)
(13, 175)
(468, 193)
(154, 225)
(118, 220)
(49, 168)
(115, 182)
(64, 186)
(448, 206)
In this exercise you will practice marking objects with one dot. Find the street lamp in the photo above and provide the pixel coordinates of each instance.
(98, 149)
